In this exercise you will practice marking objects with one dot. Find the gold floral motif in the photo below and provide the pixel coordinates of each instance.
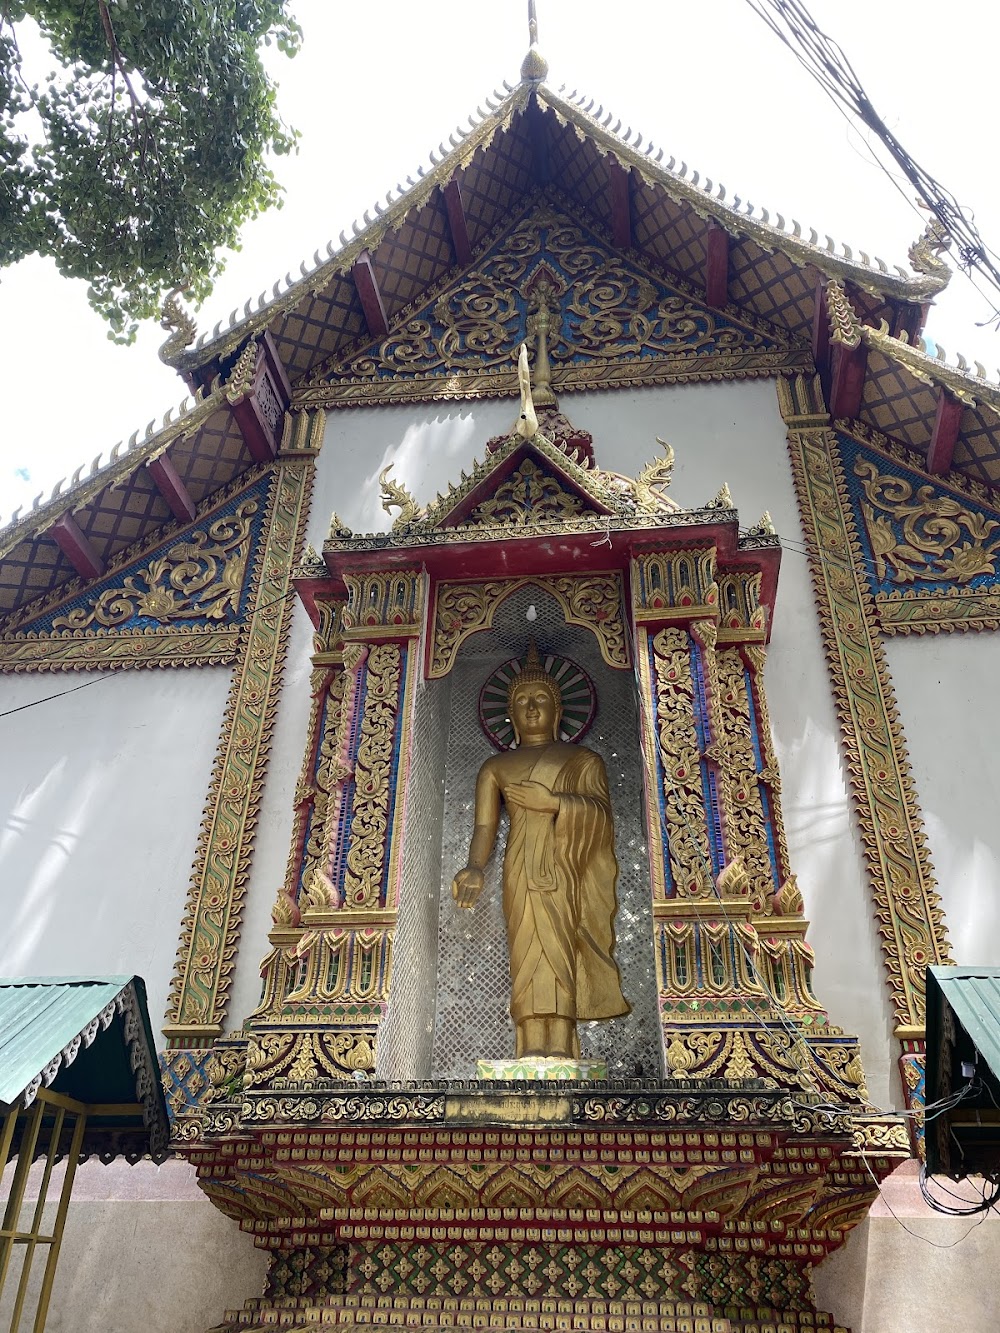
(367, 847)
(608, 310)
(684, 806)
(747, 832)
(275, 1060)
(592, 601)
(200, 988)
(528, 496)
(754, 655)
(199, 578)
(907, 907)
(942, 540)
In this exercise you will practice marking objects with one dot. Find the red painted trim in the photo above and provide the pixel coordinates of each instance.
(457, 222)
(821, 329)
(370, 296)
(76, 547)
(947, 419)
(279, 376)
(716, 265)
(910, 319)
(847, 380)
(621, 205)
(167, 481)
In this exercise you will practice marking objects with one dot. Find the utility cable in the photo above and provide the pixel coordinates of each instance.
(825, 61)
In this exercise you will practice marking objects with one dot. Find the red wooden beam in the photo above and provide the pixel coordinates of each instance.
(76, 547)
(457, 222)
(947, 419)
(847, 379)
(910, 319)
(821, 328)
(167, 481)
(621, 205)
(370, 296)
(716, 265)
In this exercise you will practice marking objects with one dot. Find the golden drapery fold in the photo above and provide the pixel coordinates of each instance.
(559, 901)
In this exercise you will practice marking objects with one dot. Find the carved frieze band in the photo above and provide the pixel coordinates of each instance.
(932, 544)
(611, 322)
(907, 907)
(180, 603)
(592, 601)
(210, 928)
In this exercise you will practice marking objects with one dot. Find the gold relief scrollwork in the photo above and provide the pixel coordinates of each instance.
(592, 601)
(199, 578)
(528, 496)
(907, 907)
(367, 849)
(276, 1060)
(206, 955)
(684, 807)
(754, 655)
(940, 540)
(747, 827)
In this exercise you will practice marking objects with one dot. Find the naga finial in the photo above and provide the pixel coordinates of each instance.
(527, 423)
(534, 66)
(396, 496)
(176, 321)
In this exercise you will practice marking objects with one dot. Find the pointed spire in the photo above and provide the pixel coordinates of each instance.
(534, 66)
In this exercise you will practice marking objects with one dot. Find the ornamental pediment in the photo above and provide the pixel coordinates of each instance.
(612, 321)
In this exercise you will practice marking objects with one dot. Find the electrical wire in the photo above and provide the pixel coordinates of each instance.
(110, 675)
(825, 61)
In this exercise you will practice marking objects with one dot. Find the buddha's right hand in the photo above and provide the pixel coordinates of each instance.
(467, 886)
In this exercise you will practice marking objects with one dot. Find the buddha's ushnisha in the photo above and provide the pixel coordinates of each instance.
(559, 871)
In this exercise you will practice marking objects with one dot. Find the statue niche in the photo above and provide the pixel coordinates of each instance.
(559, 871)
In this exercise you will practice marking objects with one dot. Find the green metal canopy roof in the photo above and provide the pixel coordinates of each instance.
(90, 1039)
(973, 993)
(963, 1070)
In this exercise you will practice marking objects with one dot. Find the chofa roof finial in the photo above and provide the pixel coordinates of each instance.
(534, 67)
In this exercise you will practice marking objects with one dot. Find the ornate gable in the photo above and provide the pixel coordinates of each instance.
(528, 484)
(611, 320)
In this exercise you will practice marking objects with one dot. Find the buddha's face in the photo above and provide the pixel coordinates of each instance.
(535, 713)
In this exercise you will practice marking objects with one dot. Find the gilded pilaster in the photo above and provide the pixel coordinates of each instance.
(210, 930)
(907, 907)
(327, 975)
(734, 970)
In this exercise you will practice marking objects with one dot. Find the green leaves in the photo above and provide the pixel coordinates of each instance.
(144, 156)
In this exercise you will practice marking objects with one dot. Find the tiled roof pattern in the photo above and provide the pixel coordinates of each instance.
(528, 137)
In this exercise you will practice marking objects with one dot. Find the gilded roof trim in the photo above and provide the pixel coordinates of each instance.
(874, 278)
(192, 414)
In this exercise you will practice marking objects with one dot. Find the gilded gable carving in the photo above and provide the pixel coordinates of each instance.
(604, 314)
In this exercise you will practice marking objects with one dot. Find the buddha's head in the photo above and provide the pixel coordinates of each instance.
(534, 703)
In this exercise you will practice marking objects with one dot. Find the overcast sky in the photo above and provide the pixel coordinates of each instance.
(377, 86)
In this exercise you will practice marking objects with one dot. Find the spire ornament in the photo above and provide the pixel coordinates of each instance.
(534, 67)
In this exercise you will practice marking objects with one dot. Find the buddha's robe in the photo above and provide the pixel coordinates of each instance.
(559, 901)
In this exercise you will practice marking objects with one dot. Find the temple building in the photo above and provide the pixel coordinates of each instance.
(527, 718)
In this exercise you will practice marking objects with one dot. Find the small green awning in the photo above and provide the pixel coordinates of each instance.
(90, 1039)
(963, 1070)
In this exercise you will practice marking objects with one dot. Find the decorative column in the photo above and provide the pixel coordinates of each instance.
(326, 978)
(734, 970)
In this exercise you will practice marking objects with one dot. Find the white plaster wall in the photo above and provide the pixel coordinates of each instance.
(946, 686)
(101, 797)
(721, 432)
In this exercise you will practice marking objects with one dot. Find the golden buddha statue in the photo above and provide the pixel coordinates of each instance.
(559, 871)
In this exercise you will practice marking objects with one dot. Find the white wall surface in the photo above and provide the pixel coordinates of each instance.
(946, 686)
(101, 797)
(721, 432)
